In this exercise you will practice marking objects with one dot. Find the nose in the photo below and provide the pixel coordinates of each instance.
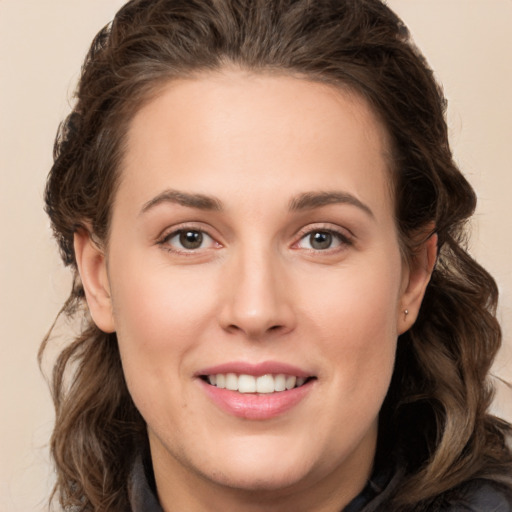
(256, 296)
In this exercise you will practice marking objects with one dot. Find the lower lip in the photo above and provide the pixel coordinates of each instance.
(254, 406)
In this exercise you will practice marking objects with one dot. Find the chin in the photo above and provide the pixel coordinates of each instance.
(250, 462)
(265, 478)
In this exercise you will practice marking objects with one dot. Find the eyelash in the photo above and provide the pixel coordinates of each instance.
(164, 241)
(343, 239)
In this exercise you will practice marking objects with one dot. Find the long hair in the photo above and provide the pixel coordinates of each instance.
(436, 412)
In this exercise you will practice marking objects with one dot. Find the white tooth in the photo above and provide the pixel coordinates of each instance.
(280, 382)
(300, 381)
(290, 381)
(212, 379)
(265, 384)
(220, 380)
(247, 384)
(231, 382)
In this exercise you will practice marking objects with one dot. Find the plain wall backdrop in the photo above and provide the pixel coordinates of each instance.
(42, 44)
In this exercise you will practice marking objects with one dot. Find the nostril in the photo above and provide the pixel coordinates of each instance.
(234, 328)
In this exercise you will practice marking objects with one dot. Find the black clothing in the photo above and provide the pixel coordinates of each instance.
(474, 496)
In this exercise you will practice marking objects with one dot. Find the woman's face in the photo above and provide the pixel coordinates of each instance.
(253, 244)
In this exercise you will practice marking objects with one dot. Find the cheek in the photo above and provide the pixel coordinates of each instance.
(356, 304)
(156, 308)
(354, 316)
(160, 317)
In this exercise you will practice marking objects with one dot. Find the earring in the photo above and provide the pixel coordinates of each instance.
(406, 312)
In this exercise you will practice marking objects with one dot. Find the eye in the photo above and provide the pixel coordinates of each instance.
(188, 240)
(322, 240)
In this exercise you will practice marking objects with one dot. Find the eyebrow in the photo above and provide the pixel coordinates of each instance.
(311, 200)
(305, 201)
(199, 201)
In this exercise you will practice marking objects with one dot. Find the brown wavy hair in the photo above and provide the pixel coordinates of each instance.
(436, 412)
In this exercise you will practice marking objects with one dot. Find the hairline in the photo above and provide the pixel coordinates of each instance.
(153, 89)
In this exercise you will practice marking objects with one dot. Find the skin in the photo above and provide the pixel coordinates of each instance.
(256, 289)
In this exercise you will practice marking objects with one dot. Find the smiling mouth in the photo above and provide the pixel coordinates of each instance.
(268, 383)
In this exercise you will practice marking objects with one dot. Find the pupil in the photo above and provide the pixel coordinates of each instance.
(191, 239)
(321, 240)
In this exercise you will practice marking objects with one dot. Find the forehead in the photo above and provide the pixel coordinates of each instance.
(254, 130)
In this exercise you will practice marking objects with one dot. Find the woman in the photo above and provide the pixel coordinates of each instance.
(266, 226)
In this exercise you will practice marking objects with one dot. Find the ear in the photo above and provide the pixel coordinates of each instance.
(92, 267)
(414, 283)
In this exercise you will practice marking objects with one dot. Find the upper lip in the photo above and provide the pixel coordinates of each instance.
(255, 369)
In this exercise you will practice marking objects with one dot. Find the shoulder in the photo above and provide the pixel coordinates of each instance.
(479, 496)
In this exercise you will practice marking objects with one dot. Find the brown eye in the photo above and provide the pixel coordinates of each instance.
(320, 240)
(188, 240)
(191, 239)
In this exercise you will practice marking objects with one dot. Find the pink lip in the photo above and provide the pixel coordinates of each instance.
(264, 368)
(254, 406)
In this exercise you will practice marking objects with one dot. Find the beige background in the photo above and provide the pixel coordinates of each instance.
(42, 43)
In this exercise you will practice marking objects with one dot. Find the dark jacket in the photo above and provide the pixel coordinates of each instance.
(473, 496)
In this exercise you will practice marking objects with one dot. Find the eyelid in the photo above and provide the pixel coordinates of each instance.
(345, 236)
(169, 233)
